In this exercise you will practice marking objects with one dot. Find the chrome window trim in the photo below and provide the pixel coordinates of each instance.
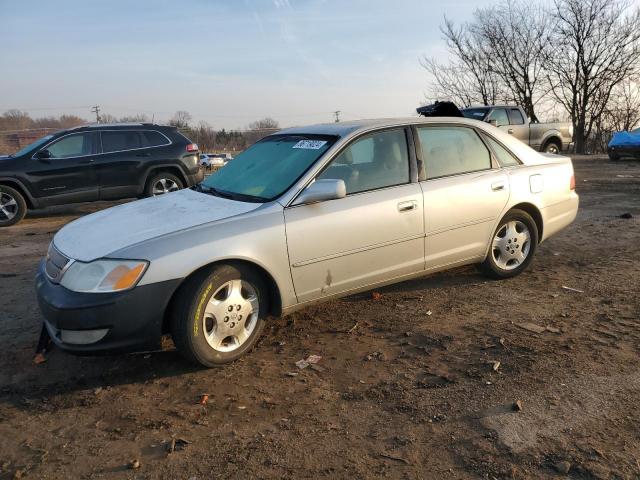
(33, 157)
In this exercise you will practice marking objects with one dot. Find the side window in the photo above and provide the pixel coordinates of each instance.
(75, 145)
(505, 157)
(375, 161)
(117, 140)
(452, 150)
(516, 117)
(500, 116)
(154, 139)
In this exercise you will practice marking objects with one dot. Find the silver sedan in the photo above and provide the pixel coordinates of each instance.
(303, 216)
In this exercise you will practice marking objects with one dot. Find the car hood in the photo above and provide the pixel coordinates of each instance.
(99, 234)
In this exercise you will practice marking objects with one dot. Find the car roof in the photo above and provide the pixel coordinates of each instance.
(343, 129)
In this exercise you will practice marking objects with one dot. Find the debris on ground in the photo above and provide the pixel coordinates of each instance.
(532, 327)
(626, 215)
(517, 406)
(314, 358)
(429, 312)
(551, 329)
(352, 329)
(291, 374)
(177, 444)
(572, 289)
(39, 358)
(495, 364)
(393, 457)
(302, 364)
(562, 467)
(134, 464)
(204, 398)
(376, 356)
(376, 295)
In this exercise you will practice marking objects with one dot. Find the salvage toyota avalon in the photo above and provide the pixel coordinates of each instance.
(304, 215)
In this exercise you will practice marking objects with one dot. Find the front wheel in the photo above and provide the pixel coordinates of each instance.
(13, 207)
(219, 314)
(512, 246)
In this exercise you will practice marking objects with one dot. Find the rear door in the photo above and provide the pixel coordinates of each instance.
(375, 233)
(464, 193)
(69, 174)
(122, 165)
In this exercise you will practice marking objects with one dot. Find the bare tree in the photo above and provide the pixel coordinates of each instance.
(595, 46)
(259, 129)
(623, 110)
(468, 78)
(515, 35)
(181, 119)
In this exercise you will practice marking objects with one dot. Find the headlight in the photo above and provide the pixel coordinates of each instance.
(103, 276)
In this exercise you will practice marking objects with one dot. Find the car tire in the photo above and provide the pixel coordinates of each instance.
(614, 157)
(513, 246)
(551, 147)
(13, 206)
(219, 314)
(161, 183)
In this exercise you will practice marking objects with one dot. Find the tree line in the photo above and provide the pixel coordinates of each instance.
(18, 128)
(580, 55)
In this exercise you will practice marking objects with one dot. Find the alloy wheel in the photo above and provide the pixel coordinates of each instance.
(511, 245)
(164, 185)
(231, 315)
(8, 206)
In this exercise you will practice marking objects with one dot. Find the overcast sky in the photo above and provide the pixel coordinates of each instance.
(227, 63)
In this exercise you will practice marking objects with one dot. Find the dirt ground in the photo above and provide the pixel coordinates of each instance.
(408, 385)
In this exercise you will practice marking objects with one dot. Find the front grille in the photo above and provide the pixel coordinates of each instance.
(55, 264)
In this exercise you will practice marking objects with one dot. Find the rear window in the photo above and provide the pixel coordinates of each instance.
(154, 139)
(115, 140)
(516, 117)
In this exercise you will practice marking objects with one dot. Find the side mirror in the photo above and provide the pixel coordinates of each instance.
(43, 154)
(321, 190)
(493, 122)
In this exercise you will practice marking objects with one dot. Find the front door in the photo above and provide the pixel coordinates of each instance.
(374, 234)
(463, 194)
(68, 174)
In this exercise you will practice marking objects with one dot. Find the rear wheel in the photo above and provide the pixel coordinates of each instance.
(161, 183)
(613, 156)
(219, 314)
(13, 207)
(552, 147)
(512, 246)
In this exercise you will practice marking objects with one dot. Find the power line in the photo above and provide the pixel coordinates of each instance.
(96, 109)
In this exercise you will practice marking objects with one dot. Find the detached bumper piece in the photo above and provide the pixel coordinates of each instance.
(94, 323)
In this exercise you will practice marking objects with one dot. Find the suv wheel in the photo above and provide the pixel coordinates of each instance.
(13, 207)
(512, 246)
(218, 314)
(552, 147)
(162, 183)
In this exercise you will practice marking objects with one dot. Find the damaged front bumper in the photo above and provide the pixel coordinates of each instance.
(93, 323)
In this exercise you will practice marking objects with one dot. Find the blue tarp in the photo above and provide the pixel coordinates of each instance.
(626, 139)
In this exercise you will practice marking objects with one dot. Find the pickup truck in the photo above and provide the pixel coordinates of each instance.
(544, 137)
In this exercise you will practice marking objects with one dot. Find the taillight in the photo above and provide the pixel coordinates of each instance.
(572, 183)
(192, 147)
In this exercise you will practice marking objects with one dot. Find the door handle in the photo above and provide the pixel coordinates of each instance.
(497, 186)
(407, 206)
(510, 131)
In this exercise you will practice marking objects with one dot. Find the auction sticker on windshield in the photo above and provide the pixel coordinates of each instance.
(310, 144)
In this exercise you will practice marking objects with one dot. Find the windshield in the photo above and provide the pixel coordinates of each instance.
(33, 146)
(268, 168)
(475, 113)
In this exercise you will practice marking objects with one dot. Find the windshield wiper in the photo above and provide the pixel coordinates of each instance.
(230, 195)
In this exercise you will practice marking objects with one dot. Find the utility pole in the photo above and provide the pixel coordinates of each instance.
(337, 115)
(96, 109)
